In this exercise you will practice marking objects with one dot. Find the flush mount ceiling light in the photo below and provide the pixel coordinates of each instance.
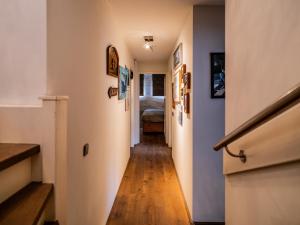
(148, 42)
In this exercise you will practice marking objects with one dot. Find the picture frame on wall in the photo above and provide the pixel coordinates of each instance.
(178, 57)
(123, 82)
(176, 87)
(112, 61)
(217, 65)
(186, 103)
(187, 81)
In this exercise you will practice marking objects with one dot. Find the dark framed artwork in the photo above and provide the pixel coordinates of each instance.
(123, 81)
(217, 65)
(187, 81)
(177, 57)
(186, 103)
(112, 61)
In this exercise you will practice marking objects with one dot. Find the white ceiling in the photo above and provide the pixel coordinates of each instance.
(161, 18)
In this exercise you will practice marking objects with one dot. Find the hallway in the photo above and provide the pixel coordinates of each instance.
(150, 191)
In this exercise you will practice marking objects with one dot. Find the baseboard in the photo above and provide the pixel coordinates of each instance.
(209, 223)
(181, 190)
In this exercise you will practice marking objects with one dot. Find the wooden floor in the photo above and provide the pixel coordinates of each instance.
(149, 193)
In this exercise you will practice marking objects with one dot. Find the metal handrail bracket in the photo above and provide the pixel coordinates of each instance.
(273, 110)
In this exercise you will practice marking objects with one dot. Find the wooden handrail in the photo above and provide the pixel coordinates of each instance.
(276, 108)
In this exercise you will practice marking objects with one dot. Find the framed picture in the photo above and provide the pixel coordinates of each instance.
(187, 81)
(123, 81)
(177, 57)
(217, 65)
(186, 102)
(112, 61)
(176, 88)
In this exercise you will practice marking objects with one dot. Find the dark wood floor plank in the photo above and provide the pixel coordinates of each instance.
(149, 193)
(11, 154)
(26, 206)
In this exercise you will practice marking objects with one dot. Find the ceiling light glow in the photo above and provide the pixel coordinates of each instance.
(147, 45)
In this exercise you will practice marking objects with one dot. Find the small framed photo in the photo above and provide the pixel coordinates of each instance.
(186, 103)
(177, 57)
(187, 81)
(217, 65)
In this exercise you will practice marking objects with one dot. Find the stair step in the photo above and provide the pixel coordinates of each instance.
(26, 206)
(11, 154)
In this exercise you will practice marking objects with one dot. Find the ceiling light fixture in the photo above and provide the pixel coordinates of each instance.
(148, 42)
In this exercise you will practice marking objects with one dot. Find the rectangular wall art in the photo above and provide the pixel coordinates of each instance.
(177, 57)
(217, 65)
(112, 61)
(123, 82)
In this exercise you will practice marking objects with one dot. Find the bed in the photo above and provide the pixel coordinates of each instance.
(152, 113)
(153, 120)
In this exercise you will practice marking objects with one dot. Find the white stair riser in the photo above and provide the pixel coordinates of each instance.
(14, 178)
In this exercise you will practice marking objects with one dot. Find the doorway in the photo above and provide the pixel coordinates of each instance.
(152, 104)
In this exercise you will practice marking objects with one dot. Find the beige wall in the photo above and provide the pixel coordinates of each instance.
(262, 54)
(153, 67)
(182, 136)
(78, 33)
(23, 51)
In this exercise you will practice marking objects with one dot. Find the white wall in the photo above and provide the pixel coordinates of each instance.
(208, 126)
(182, 136)
(23, 51)
(262, 54)
(78, 33)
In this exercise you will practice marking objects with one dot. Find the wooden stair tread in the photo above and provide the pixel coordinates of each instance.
(11, 154)
(26, 206)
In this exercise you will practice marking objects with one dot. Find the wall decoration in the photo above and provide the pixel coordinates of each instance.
(177, 57)
(123, 80)
(217, 62)
(187, 81)
(112, 92)
(128, 80)
(179, 114)
(186, 103)
(176, 89)
(112, 61)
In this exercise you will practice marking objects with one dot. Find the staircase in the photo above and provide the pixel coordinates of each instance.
(30, 204)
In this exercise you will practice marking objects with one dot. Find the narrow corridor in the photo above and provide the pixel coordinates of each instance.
(150, 192)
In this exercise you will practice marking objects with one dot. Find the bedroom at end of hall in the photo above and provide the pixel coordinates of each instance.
(152, 104)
